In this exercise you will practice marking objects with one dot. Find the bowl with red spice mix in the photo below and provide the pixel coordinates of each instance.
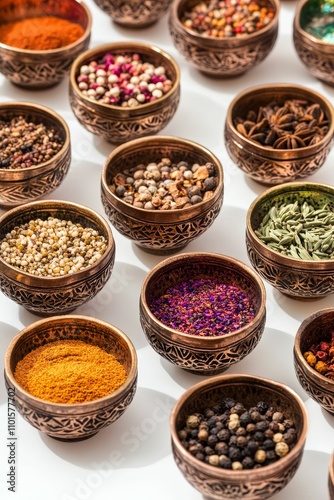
(124, 90)
(224, 38)
(71, 375)
(279, 133)
(314, 357)
(238, 436)
(40, 39)
(54, 255)
(202, 311)
(35, 152)
(134, 13)
(289, 238)
(162, 192)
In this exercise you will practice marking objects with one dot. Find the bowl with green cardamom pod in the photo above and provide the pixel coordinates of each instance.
(290, 238)
(279, 132)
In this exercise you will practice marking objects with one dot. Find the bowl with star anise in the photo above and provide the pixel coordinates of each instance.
(279, 133)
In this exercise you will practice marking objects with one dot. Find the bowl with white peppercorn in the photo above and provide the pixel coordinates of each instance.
(134, 13)
(40, 39)
(313, 355)
(71, 376)
(162, 192)
(124, 90)
(222, 39)
(238, 436)
(54, 255)
(289, 238)
(35, 152)
(279, 132)
(202, 312)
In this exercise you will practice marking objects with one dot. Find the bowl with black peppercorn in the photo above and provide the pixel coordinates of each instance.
(202, 312)
(222, 39)
(35, 152)
(279, 133)
(162, 192)
(40, 39)
(314, 357)
(289, 238)
(238, 436)
(71, 376)
(54, 255)
(124, 90)
(134, 13)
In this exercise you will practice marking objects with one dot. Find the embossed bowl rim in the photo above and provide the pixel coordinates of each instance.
(17, 108)
(78, 408)
(323, 48)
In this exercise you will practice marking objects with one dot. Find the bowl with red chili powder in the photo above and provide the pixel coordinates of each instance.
(134, 13)
(224, 38)
(202, 311)
(71, 375)
(39, 40)
(314, 357)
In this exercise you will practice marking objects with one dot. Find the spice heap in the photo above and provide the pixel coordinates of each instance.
(321, 357)
(294, 124)
(123, 80)
(230, 436)
(26, 144)
(204, 307)
(52, 247)
(299, 230)
(320, 21)
(69, 372)
(165, 185)
(228, 18)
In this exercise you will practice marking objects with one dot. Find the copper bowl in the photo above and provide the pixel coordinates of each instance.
(18, 186)
(37, 69)
(222, 57)
(56, 295)
(71, 422)
(117, 124)
(160, 231)
(199, 354)
(315, 53)
(134, 13)
(297, 278)
(216, 483)
(316, 328)
(331, 478)
(267, 165)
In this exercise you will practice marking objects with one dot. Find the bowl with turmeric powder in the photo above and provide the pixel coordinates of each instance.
(314, 357)
(54, 255)
(71, 375)
(40, 39)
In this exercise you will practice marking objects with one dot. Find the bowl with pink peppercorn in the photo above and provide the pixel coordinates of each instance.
(124, 90)
(202, 312)
(314, 357)
(222, 39)
(134, 13)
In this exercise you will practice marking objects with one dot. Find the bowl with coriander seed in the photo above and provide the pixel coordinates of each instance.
(290, 238)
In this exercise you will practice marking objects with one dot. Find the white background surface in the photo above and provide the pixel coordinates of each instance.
(132, 458)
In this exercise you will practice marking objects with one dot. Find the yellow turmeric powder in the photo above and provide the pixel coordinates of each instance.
(69, 371)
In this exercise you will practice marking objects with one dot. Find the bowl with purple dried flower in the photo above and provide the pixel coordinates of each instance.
(134, 13)
(279, 133)
(314, 357)
(124, 90)
(202, 311)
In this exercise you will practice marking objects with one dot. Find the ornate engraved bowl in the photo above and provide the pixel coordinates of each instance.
(315, 53)
(216, 483)
(160, 231)
(117, 124)
(18, 186)
(221, 57)
(37, 69)
(72, 422)
(265, 164)
(316, 328)
(202, 355)
(55, 295)
(331, 478)
(295, 277)
(134, 13)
